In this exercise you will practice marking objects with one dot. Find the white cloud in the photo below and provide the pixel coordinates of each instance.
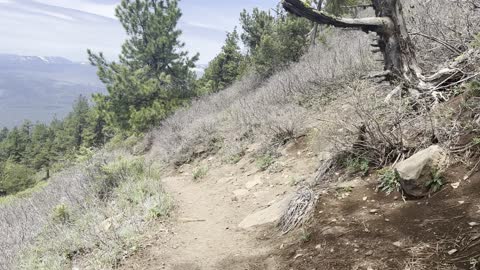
(50, 13)
(105, 10)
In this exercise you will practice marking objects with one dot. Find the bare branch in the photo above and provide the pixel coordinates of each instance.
(374, 24)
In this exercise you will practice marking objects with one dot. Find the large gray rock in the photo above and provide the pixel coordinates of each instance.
(416, 171)
(271, 214)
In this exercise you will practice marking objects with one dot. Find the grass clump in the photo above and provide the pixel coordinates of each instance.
(389, 180)
(357, 165)
(436, 181)
(61, 214)
(199, 173)
(265, 161)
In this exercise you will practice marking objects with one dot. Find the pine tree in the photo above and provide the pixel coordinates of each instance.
(154, 74)
(255, 25)
(273, 42)
(224, 69)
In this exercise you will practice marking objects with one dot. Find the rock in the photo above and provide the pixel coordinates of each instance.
(240, 193)
(271, 214)
(369, 253)
(473, 224)
(398, 244)
(253, 183)
(455, 185)
(452, 251)
(373, 211)
(335, 230)
(415, 172)
(357, 182)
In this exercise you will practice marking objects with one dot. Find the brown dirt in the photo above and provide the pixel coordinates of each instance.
(355, 228)
(346, 234)
(204, 233)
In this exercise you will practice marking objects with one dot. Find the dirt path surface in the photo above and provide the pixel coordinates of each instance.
(204, 233)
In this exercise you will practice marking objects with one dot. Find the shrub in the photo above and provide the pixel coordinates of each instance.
(264, 161)
(113, 174)
(436, 180)
(389, 180)
(15, 178)
(61, 214)
(199, 173)
(108, 229)
(357, 165)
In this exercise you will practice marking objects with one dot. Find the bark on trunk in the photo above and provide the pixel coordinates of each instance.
(389, 24)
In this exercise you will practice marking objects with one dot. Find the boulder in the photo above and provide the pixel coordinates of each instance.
(416, 171)
(271, 214)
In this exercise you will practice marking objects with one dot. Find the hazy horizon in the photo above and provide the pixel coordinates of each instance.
(68, 28)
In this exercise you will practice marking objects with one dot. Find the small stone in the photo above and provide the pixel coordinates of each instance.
(398, 244)
(473, 224)
(364, 198)
(373, 211)
(452, 251)
(356, 250)
(332, 250)
(297, 256)
(455, 185)
(387, 220)
(369, 253)
(318, 246)
(461, 202)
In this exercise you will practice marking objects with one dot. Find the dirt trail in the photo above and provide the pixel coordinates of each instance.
(204, 232)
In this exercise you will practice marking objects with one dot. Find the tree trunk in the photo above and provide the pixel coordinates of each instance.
(389, 24)
(315, 26)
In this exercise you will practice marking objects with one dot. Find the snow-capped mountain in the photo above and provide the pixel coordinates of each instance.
(39, 88)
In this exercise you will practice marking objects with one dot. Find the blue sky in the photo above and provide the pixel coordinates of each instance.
(68, 27)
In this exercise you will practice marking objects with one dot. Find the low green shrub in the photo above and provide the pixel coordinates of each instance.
(199, 173)
(436, 180)
(389, 180)
(357, 165)
(264, 161)
(16, 177)
(61, 214)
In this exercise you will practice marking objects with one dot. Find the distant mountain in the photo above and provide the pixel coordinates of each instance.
(39, 88)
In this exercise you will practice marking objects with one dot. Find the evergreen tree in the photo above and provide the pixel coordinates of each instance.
(273, 42)
(154, 74)
(255, 25)
(224, 69)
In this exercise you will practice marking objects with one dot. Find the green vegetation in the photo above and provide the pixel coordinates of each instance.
(389, 180)
(273, 42)
(224, 69)
(33, 148)
(102, 230)
(357, 165)
(264, 161)
(154, 74)
(200, 173)
(436, 180)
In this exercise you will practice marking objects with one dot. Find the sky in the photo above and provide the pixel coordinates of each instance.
(68, 27)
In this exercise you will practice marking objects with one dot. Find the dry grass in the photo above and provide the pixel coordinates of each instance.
(96, 212)
(270, 112)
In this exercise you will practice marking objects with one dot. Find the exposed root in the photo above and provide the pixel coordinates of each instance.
(298, 209)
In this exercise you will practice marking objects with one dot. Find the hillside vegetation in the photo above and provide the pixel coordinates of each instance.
(298, 118)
